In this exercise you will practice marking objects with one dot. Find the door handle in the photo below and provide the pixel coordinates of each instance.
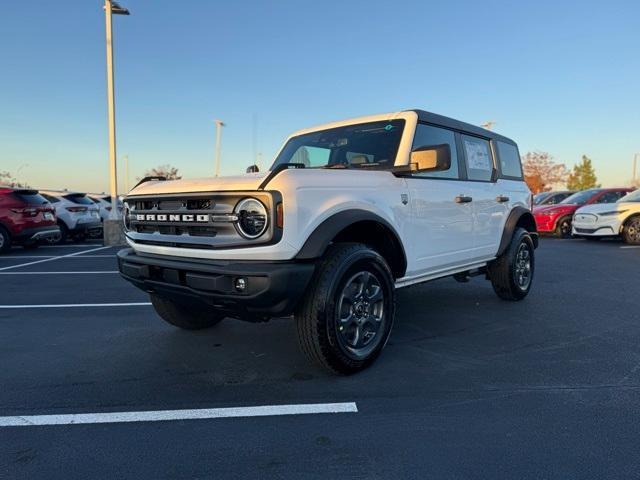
(502, 199)
(463, 199)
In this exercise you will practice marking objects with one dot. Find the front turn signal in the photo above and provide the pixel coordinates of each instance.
(279, 215)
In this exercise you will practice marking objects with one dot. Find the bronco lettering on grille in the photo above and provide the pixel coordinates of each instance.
(153, 217)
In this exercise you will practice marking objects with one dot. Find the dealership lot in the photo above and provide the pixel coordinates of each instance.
(468, 387)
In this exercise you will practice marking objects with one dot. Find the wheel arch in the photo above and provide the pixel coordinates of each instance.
(519, 217)
(361, 226)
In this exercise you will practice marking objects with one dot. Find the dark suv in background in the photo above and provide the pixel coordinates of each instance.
(25, 218)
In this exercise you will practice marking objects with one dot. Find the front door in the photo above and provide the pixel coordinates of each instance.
(441, 221)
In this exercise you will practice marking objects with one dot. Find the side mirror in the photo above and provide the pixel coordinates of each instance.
(253, 169)
(431, 158)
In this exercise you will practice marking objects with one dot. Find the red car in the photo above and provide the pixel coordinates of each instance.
(25, 218)
(556, 219)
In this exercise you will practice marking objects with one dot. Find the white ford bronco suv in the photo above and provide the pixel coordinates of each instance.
(348, 213)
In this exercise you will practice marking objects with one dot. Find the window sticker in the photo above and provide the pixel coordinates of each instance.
(477, 155)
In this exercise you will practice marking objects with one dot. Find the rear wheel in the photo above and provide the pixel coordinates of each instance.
(563, 228)
(5, 240)
(631, 232)
(511, 274)
(185, 316)
(345, 318)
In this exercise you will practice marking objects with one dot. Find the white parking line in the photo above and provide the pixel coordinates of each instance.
(631, 246)
(58, 273)
(52, 256)
(52, 259)
(88, 245)
(166, 415)
(71, 305)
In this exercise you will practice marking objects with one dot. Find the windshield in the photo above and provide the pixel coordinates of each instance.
(580, 198)
(371, 145)
(538, 198)
(631, 197)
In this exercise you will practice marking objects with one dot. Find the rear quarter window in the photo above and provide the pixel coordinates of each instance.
(509, 160)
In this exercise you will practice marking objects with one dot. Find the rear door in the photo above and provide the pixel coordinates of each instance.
(488, 197)
(441, 228)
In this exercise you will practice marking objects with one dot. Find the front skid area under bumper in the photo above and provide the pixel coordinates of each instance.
(272, 289)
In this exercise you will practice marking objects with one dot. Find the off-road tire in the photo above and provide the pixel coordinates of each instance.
(563, 227)
(319, 331)
(631, 231)
(502, 271)
(187, 317)
(5, 240)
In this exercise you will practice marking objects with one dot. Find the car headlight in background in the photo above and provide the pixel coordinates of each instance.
(253, 218)
(613, 212)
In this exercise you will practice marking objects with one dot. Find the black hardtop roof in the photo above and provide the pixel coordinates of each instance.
(434, 118)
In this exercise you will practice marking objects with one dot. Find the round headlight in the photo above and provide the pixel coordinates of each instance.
(252, 217)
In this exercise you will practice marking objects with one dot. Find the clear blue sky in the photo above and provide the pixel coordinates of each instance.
(562, 77)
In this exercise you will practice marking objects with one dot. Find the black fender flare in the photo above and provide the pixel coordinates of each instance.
(518, 216)
(319, 240)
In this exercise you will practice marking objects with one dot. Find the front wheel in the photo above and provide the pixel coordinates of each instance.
(631, 232)
(188, 317)
(511, 274)
(345, 318)
(5, 240)
(563, 228)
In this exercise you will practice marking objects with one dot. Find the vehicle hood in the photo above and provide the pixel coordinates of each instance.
(608, 207)
(551, 209)
(250, 181)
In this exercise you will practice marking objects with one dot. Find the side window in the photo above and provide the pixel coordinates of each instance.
(610, 197)
(428, 135)
(311, 156)
(478, 156)
(509, 160)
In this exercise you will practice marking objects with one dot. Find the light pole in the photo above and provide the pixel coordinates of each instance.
(219, 125)
(112, 8)
(635, 169)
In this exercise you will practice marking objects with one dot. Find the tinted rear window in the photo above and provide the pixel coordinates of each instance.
(80, 199)
(32, 198)
(509, 160)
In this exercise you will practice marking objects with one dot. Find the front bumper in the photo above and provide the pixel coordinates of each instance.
(546, 223)
(602, 228)
(273, 289)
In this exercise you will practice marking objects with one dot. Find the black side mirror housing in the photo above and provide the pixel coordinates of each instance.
(253, 169)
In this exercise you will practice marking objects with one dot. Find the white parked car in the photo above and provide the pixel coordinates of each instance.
(610, 219)
(78, 216)
(103, 205)
(348, 213)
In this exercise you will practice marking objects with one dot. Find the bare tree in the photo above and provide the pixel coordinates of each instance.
(7, 179)
(167, 171)
(541, 173)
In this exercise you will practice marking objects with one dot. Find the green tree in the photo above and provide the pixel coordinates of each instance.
(582, 176)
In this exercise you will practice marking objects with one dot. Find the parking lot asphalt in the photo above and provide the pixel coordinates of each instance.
(469, 386)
